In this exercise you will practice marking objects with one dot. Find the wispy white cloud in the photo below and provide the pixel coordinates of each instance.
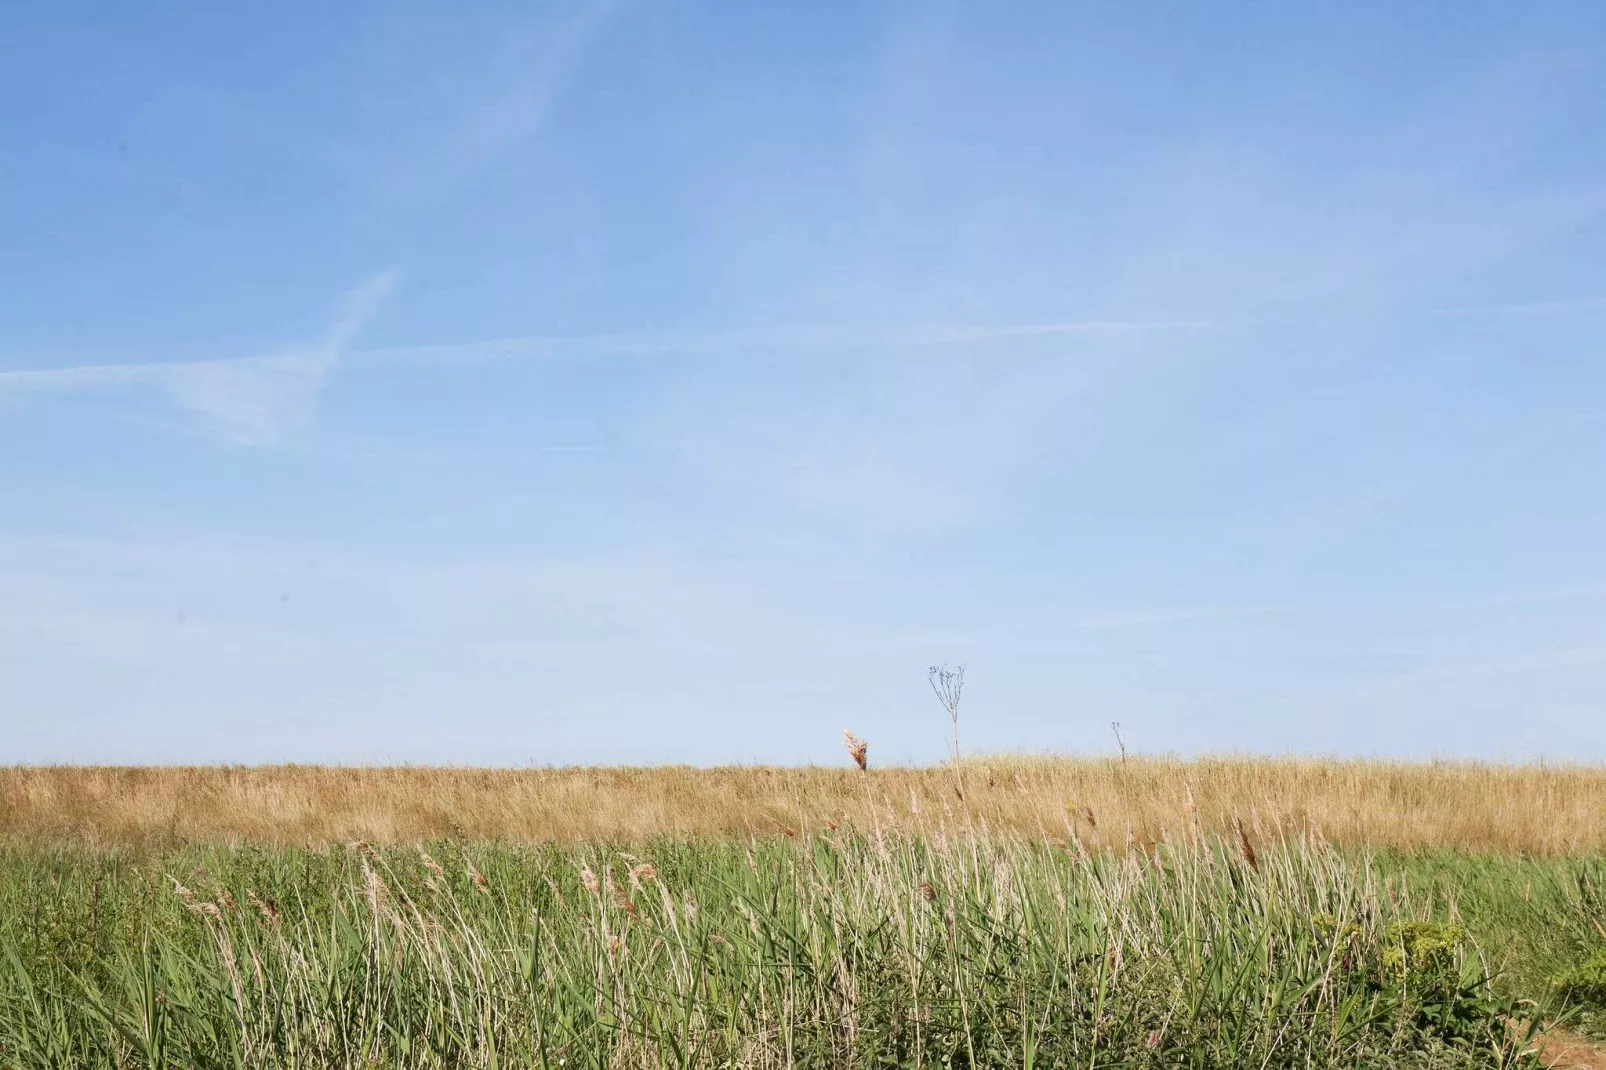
(256, 400)
(540, 62)
(459, 127)
(250, 400)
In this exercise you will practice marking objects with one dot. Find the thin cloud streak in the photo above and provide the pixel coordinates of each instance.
(1568, 658)
(247, 400)
(1579, 592)
(650, 343)
(193, 377)
(1526, 307)
(1144, 619)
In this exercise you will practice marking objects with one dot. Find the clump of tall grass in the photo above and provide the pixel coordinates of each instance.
(869, 949)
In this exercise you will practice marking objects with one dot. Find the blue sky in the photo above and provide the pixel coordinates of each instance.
(676, 382)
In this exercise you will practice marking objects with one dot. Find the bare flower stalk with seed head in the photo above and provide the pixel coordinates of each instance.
(949, 686)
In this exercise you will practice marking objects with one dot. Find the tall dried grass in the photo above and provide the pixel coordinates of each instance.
(1538, 809)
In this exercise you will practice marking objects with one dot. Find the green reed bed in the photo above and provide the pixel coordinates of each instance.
(842, 951)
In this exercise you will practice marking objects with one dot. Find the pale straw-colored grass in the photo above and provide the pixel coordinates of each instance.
(1540, 809)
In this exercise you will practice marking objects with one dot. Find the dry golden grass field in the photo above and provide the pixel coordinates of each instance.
(1534, 809)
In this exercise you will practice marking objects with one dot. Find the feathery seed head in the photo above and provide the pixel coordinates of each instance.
(858, 750)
